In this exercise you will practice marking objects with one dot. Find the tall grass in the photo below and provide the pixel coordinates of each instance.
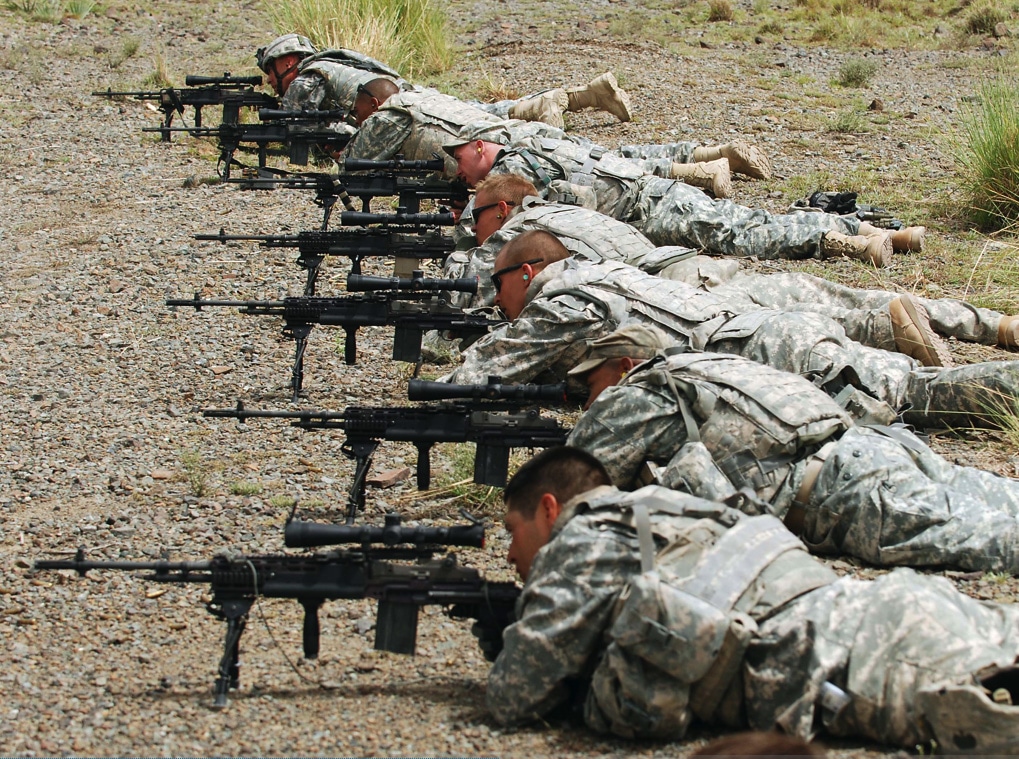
(412, 36)
(989, 154)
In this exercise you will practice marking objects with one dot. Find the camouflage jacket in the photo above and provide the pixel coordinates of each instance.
(329, 80)
(754, 422)
(415, 124)
(573, 621)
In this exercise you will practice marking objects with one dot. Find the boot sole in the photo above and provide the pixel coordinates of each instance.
(935, 348)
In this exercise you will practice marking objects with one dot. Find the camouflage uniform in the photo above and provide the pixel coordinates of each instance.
(570, 302)
(415, 124)
(863, 313)
(667, 211)
(903, 647)
(881, 494)
(593, 236)
(329, 80)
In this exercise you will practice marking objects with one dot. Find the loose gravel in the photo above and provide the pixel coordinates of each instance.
(103, 445)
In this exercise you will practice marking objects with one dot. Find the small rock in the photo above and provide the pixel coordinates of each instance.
(116, 286)
(161, 474)
(1000, 30)
(218, 370)
(389, 477)
(876, 105)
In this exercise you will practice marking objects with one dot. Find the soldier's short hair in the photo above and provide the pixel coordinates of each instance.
(511, 188)
(533, 244)
(381, 89)
(563, 471)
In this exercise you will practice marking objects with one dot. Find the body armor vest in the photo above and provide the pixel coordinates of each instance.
(680, 628)
(344, 71)
(753, 420)
(437, 119)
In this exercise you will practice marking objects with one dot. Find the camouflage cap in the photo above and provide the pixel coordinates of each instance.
(635, 341)
(489, 131)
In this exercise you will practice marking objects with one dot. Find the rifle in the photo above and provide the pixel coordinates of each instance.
(495, 424)
(231, 92)
(413, 244)
(299, 132)
(412, 313)
(410, 181)
(368, 571)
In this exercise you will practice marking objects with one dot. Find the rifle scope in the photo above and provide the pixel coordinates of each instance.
(299, 534)
(194, 80)
(395, 164)
(416, 282)
(426, 390)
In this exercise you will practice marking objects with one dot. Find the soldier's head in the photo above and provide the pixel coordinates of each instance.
(494, 199)
(280, 59)
(536, 494)
(371, 96)
(518, 262)
(610, 358)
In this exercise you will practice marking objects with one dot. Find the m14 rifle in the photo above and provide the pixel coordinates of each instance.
(379, 567)
(409, 181)
(297, 131)
(408, 245)
(494, 418)
(412, 310)
(231, 92)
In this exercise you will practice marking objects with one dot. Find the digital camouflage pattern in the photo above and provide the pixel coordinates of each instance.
(888, 500)
(890, 643)
(587, 234)
(667, 211)
(416, 125)
(571, 302)
(329, 80)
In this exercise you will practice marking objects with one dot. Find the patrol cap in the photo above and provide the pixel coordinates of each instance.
(634, 341)
(288, 43)
(489, 131)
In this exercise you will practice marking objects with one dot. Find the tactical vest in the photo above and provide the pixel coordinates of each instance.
(692, 316)
(594, 237)
(755, 421)
(437, 119)
(681, 627)
(563, 168)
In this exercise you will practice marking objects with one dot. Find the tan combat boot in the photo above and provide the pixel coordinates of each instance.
(546, 107)
(1008, 332)
(744, 158)
(602, 92)
(871, 249)
(712, 176)
(905, 240)
(911, 328)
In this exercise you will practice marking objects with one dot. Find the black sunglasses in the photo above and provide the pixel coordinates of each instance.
(498, 275)
(477, 211)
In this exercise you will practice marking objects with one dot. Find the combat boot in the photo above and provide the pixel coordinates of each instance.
(604, 93)
(873, 249)
(546, 107)
(905, 240)
(911, 328)
(965, 720)
(713, 176)
(743, 157)
(1008, 332)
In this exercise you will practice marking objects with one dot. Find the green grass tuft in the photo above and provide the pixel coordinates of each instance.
(989, 154)
(412, 36)
(856, 72)
(982, 20)
(719, 10)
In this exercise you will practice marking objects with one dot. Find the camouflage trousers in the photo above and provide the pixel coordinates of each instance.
(813, 345)
(670, 212)
(892, 501)
(894, 645)
(658, 159)
(863, 313)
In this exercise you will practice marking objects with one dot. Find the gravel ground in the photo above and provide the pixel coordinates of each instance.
(102, 445)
